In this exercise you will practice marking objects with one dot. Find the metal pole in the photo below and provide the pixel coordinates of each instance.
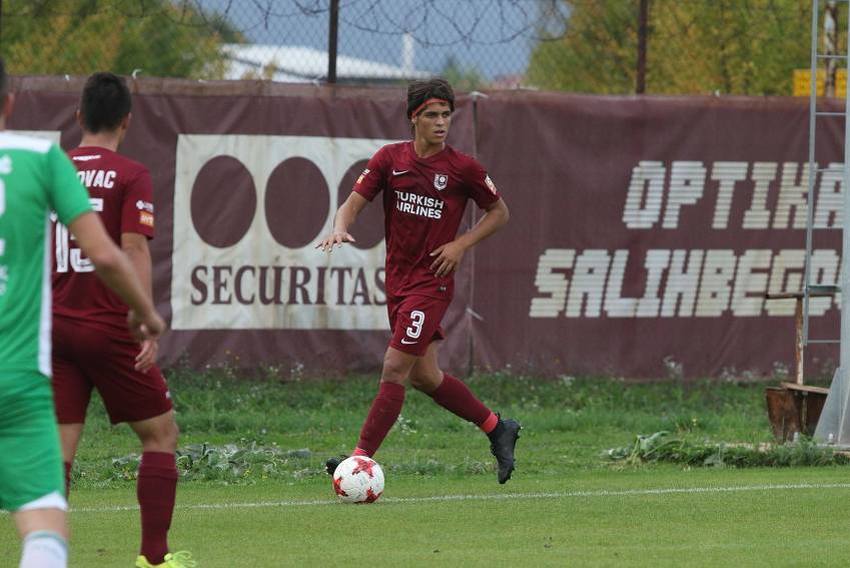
(798, 341)
(844, 360)
(643, 17)
(333, 30)
(473, 219)
(810, 215)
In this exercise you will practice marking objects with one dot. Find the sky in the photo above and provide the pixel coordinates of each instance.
(495, 37)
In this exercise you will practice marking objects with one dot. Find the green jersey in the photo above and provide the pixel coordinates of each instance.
(35, 178)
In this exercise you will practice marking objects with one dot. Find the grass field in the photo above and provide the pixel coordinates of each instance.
(255, 494)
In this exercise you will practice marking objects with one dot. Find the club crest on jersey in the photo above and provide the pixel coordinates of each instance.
(441, 181)
(144, 206)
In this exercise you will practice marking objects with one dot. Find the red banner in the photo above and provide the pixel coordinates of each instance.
(644, 234)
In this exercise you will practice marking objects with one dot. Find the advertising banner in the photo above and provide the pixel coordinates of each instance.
(644, 232)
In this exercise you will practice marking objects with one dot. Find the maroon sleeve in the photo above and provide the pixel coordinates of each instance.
(372, 181)
(137, 214)
(480, 187)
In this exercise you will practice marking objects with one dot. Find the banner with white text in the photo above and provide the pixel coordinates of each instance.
(644, 232)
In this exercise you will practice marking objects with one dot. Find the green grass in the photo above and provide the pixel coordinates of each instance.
(567, 504)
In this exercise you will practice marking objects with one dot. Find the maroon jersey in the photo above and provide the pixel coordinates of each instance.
(120, 190)
(424, 201)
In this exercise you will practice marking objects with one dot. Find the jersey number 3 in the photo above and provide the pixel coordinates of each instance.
(417, 318)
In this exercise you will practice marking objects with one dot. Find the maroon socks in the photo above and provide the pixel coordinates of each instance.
(455, 396)
(382, 415)
(452, 394)
(156, 488)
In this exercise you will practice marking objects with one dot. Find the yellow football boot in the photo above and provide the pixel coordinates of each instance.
(180, 559)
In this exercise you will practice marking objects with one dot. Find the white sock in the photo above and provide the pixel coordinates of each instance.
(44, 549)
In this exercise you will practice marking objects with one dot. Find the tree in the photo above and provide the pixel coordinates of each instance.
(462, 78)
(159, 37)
(699, 46)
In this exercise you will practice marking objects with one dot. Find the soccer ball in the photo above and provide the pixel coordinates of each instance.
(358, 479)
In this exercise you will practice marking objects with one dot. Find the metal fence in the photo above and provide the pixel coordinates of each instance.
(747, 47)
(474, 43)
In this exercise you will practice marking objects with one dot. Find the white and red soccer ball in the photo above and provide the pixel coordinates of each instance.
(358, 479)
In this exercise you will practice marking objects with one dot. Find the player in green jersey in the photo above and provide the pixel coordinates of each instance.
(36, 178)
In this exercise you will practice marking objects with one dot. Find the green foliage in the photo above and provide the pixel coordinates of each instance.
(664, 447)
(245, 462)
(462, 78)
(568, 421)
(695, 47)
(158, 37)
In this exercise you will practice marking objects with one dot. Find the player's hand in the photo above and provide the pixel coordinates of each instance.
(335, 239)
(147, 356)
(149, 326)
(447, 258)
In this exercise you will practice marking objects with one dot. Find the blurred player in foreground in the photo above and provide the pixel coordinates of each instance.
(426, 184)
(35, 178)
(93, 349)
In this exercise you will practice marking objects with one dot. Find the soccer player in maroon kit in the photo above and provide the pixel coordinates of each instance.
(425, 184)
(92, 348)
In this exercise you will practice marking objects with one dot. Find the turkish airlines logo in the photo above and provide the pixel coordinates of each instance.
(248, 211)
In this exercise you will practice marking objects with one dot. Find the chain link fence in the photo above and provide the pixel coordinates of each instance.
(474, 43)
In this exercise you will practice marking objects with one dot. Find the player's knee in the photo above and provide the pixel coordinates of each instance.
(395, 370)
(170, 434)
(424, 382)
(393, 375)
(173, 433)
(162, 436)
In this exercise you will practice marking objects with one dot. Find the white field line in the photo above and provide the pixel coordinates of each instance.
(498, 496)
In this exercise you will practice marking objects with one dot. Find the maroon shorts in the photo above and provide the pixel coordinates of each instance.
(415, 322)
(87, 357)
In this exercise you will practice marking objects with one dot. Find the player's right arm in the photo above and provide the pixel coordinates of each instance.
(113, 267)
(345, 216)
(368, 185)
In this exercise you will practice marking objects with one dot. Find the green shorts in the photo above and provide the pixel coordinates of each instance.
(30, 457)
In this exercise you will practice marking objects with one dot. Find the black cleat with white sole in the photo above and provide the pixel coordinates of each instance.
(502, 443)
(332, 463)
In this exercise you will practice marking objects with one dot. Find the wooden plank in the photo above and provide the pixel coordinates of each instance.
(804, 388)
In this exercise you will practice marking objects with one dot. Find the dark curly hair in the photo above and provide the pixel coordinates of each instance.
(420, 91)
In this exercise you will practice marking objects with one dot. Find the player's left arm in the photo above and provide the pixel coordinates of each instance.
(135, 246)
(137, 228)
(448, 256)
